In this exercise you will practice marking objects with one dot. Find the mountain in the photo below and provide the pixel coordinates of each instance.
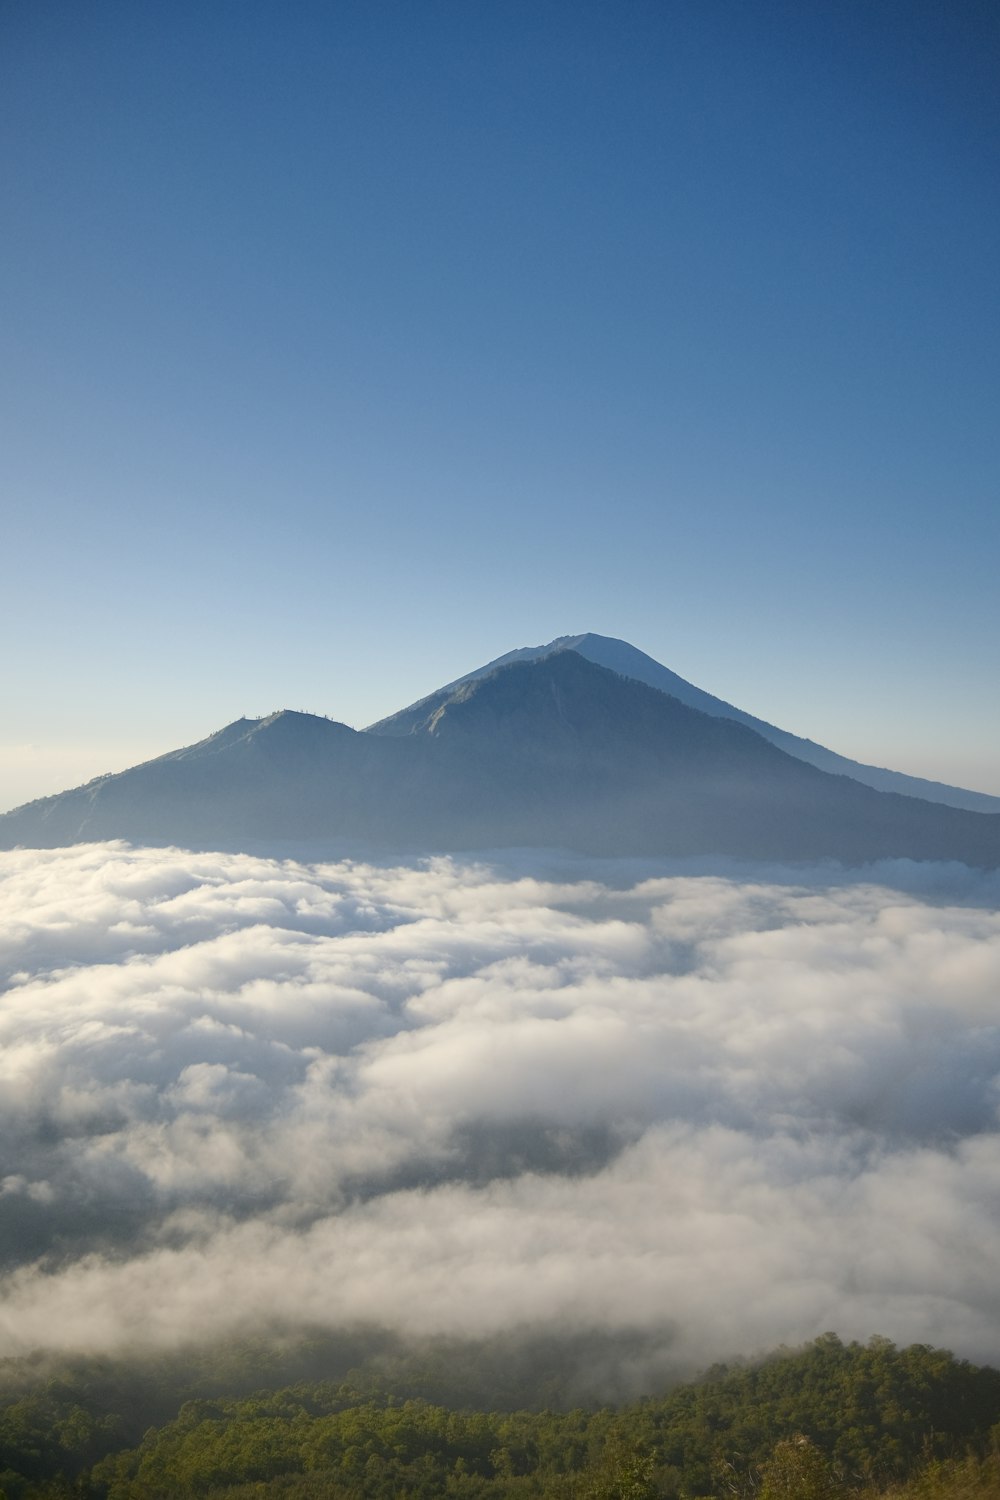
(289, 775)
(555, 751)
(626, 660)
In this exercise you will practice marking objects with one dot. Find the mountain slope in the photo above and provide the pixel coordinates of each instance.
(289, 775)
(556, 751)
(620, 657)
(621, 767)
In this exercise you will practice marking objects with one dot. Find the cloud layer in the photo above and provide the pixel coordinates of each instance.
(732, 1108)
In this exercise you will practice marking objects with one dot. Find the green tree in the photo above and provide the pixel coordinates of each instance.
(797, 1470)
(623, 1474)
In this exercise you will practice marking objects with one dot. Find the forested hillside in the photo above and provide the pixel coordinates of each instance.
(825, 1421)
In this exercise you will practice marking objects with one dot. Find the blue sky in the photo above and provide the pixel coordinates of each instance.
(348, 346)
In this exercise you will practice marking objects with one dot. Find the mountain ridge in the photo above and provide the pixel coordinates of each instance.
(626, 659)
(556, 751)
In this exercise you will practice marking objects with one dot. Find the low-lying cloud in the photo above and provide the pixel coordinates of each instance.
(736, 1108)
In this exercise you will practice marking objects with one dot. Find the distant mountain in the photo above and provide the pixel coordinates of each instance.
(620, 657)
(289, 775)
(553, 751)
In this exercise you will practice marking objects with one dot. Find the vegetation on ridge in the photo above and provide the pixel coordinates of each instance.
(827, 1421)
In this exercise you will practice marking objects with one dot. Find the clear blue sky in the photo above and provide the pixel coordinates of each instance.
(349, 345)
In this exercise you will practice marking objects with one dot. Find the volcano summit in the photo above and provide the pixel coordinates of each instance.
(585, 744)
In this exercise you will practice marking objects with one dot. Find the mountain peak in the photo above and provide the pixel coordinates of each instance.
(551, 749)
(628, 661)
(585, 742)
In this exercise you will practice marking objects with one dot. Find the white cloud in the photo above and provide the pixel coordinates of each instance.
(738, 1106)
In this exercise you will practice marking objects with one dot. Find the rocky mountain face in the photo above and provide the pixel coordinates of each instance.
(552, 749)
(628, 661)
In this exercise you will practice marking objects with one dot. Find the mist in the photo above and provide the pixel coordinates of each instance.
(729, 1106)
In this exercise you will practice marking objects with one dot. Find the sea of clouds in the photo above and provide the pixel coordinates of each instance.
(732, 1108)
